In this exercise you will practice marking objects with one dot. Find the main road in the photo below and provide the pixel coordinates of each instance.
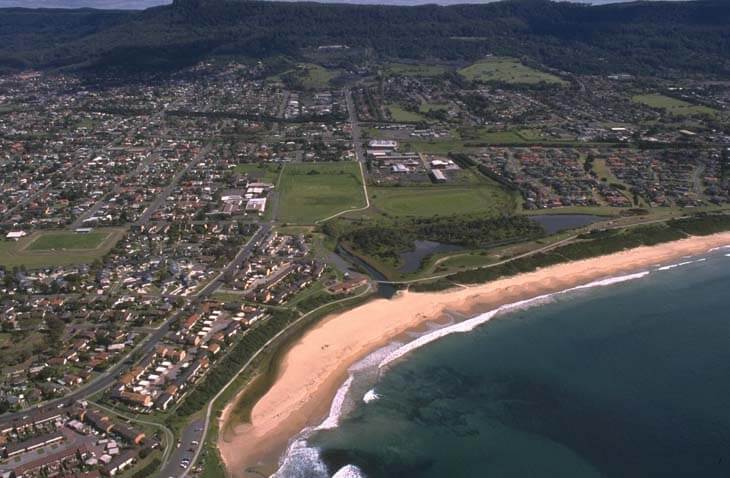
(354, 126)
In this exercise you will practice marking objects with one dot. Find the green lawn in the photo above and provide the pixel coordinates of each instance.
(498, 137)
(414, 70)
(316, 77)
(312, 76)
(54, 248)
(53, 241)
(442, 200)
(466, 138)
(426, 107)
(672, 105)
(267, 173)
(400, 115)
(310, 192)
(507, 70)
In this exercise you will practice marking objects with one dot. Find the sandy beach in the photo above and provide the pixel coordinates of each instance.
(317, 364)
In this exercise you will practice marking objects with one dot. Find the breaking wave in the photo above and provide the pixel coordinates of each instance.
(333, 419)
(370, 396)
(349, 471)
(301, 461)
(304, 461)
(680, 264)
(714, 249)
(471, 324)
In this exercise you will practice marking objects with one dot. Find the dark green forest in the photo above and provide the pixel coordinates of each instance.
(387, 241)
(668, 38)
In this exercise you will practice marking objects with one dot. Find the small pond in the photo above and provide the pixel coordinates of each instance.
(412, 259)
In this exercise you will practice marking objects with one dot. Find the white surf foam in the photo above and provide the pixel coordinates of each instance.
(301, 461)
(370, 396)
(304, 461)
(349, 471)
(714, 249)
(333, 419)
(609, 281)
(471, 324)
(680, 264)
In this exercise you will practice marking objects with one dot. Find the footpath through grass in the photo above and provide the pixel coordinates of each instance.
(314, 191)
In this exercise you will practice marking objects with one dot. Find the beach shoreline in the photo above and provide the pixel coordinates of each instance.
(316, 365)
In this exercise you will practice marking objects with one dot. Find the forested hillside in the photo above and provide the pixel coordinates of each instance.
(668, 37)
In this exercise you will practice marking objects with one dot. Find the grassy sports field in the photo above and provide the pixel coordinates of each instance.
(314, 191)
(53, 248)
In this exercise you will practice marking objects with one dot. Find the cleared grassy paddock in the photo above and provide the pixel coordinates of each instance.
(317, 77)
(314, 191)
(447, 200)
(673, 106)
(267, 173)
(507, 70)
(401, 115)
(312, 76)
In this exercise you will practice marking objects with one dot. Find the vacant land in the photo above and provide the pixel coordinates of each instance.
(267, 173)
(466, 138)
(426, 107)
(447, 200)
(435, 146)
(673, 106)
(401, 115)
(18, 347)
(507, 70)
(310, 192)
(55, 248)
(493, 137)
(311, 76)
(315, 77)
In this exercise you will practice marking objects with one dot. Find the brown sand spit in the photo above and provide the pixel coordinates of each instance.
(317, 364)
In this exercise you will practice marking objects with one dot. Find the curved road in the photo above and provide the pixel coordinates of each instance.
(209, 410)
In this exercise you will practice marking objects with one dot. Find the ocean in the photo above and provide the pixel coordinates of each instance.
(626, 377)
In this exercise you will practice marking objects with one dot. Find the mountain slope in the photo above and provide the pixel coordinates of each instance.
(639, 37)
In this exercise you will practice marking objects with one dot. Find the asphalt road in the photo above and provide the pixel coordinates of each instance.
(104, 380)
(186, 449)
(160, 199)
(149, 342)
(355, 126)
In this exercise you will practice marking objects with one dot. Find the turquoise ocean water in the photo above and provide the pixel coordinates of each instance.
(626, 378)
